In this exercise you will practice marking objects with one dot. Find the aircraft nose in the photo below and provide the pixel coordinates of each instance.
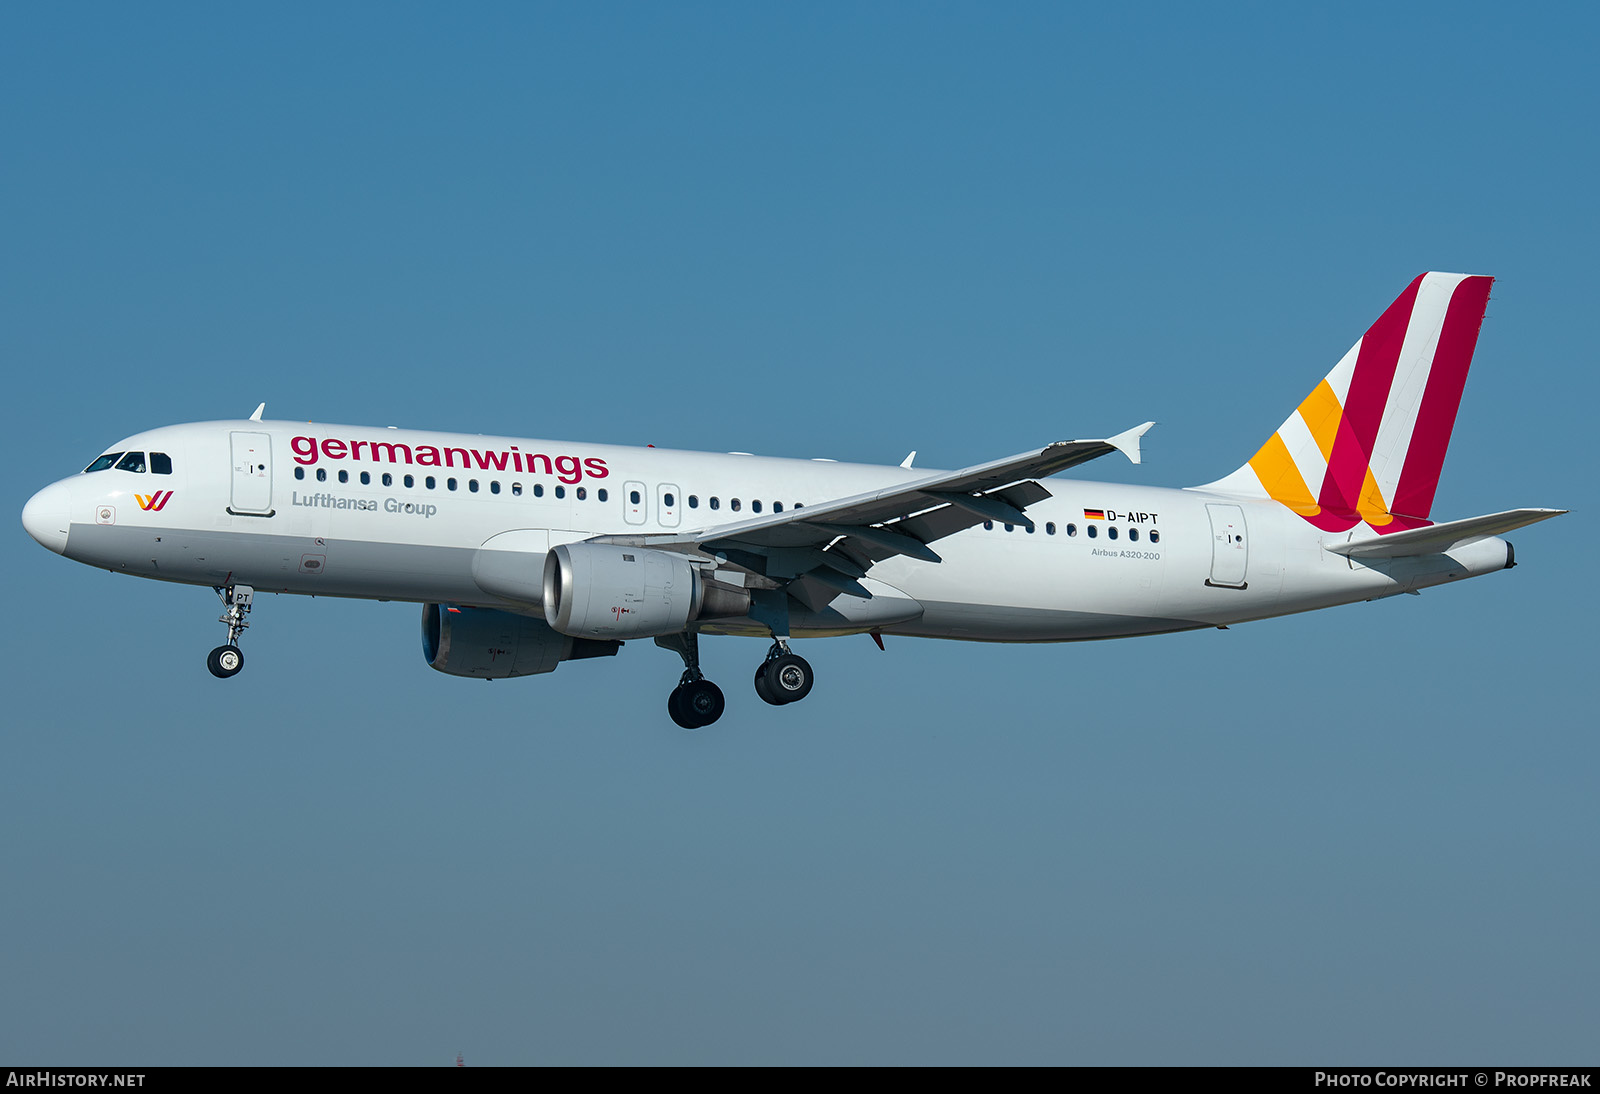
(48, 516)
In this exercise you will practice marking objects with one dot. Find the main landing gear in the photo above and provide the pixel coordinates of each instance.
(696, 701)
(784, 677)
(227, 660)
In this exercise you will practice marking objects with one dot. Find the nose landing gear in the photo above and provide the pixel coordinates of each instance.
(227, 660)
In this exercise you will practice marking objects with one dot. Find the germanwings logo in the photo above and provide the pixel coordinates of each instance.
(154, 503)
(1368, 444)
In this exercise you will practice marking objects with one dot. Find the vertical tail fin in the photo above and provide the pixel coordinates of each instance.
(1369, 442)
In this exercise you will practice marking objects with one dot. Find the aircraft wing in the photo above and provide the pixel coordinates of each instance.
(838, 541)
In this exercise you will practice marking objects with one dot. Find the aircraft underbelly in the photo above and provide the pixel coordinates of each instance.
(1007, 623)
(313, 566)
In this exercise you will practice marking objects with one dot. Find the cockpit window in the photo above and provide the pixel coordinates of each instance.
(160, 463)
(133, 461)
(103, 462)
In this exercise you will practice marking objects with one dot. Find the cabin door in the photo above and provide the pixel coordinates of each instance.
(252, 474)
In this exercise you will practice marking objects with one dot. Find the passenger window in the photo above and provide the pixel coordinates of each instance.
(1010, 528)
(450, 483)
(494, 487)
(633, 497)
(472, 485)
(299, 472)
(344, 476)
(366, 478)
(516, 489)
(988, 526)
(666, 499)
(582, 493)
(1072, 529)
(388, 479)
(160, 463)
(1092, 531)
(322, 475)
(601, 494)
(755, 507)
(1133, 534)
(538, 489)
(734, 505)
(1029, 528)
(1111, 532)
(561, 491)
(108, 460)
(715, 504)
(1155, 536)
(1050, 528)
(777, 507)
(410, 480)
(694, 501)
(133, 461)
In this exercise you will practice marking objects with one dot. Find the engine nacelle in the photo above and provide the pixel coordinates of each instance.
(494, 645)
(602, 590)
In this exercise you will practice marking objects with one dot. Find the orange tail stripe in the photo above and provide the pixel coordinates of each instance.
(1281, 478)
(1321, 412)
(1371, 507)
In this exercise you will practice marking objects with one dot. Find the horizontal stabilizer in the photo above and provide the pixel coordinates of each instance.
(1438, 538)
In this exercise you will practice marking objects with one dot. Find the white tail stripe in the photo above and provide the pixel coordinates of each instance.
(1410, 379)
(1303, 451)
(1339, 378)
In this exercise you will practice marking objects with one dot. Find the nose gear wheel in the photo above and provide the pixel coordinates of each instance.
(226, 660)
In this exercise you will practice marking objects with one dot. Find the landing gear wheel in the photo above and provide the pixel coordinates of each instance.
(788, 677)
(225, 661)
(704, 701)
(696, 704)
(761, 686)
(675, 709)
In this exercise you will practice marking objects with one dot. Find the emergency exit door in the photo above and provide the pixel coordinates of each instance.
(1230, 546)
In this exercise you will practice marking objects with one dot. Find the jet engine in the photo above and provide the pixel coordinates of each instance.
(493, 645)
(602, 590)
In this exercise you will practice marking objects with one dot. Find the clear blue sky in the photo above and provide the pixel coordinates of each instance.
(1366, 835)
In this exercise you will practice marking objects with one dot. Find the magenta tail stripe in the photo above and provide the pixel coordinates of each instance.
(1436, 418)
(1365, 402)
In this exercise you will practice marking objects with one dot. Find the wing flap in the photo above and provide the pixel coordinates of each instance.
(938, 523)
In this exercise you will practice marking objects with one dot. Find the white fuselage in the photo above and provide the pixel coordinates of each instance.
(297, 508)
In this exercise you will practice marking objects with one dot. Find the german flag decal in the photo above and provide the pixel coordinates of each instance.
(1094, 514)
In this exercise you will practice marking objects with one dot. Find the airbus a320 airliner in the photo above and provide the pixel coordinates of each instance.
(527, 553)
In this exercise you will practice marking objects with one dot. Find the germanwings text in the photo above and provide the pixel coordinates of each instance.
(569, 469)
